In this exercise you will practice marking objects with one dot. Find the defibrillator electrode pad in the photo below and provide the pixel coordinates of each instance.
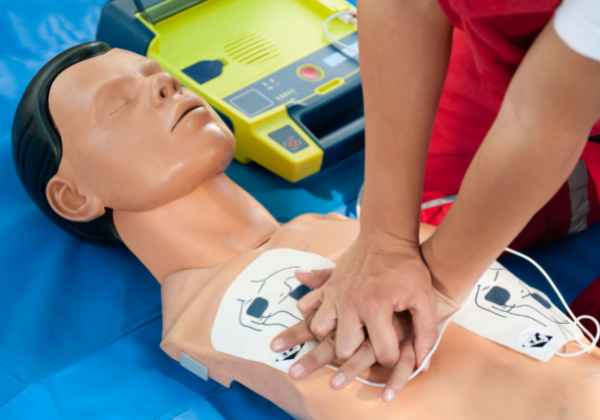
(262, 302)
(504, 309)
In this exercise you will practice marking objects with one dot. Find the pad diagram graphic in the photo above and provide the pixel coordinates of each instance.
(262, 302)
(268, 305)
(506, 310)
(527, 302)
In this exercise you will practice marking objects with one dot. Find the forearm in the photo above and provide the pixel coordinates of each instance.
(534, 144)
(404, 53)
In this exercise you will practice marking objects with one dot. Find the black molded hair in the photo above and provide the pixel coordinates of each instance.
(37, 147)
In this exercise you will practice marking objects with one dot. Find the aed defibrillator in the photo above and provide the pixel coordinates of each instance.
(293, 100)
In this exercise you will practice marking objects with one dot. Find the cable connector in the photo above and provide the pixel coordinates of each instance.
(348, 17)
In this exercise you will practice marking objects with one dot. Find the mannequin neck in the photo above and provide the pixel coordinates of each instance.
(212, 224)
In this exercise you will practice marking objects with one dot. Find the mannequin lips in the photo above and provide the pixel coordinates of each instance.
(184, 109)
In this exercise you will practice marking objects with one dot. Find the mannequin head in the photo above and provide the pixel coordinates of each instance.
(98, 162)
(133, 138)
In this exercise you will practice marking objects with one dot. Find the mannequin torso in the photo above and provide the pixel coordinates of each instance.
(470, 377)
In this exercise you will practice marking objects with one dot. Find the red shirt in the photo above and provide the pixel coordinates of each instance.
(490, 41)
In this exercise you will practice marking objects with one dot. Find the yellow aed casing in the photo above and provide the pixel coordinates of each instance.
(293, 100)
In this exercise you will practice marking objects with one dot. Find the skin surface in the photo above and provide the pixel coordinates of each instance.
(469, 378)
(549, 109)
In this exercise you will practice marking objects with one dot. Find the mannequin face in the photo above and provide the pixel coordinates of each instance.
(133, 138)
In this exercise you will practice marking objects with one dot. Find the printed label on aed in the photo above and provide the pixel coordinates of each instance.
(262, 302)
(506, 310)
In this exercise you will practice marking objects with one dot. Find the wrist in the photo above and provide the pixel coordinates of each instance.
(373, 226)
(392, 240)
(441, 277)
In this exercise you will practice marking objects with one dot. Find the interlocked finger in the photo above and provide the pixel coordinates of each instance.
(320, 356)
(384, 339)
(425, 326)
(350, 333)
(404, 368)
(293, 336)
(358, 363)
(324, 321)
(310, 302)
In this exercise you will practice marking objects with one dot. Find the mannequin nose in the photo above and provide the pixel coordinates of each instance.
(164, 86)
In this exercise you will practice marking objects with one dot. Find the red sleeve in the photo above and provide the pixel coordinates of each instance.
(499, 33)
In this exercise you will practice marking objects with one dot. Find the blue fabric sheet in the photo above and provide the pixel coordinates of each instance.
(80, 325)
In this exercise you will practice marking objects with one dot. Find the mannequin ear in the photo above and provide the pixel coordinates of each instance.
(71, 204)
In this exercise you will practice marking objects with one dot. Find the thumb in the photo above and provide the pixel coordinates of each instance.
(315, 278)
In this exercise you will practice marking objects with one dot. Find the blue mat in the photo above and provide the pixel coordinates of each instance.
(80, 325)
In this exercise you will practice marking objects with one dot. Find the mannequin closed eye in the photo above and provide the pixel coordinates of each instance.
(116, 105)
(113, 96)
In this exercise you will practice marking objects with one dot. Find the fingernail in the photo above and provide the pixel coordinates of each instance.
(426, 367)
(388, 395)
(278, 345)
(303, 271)
(297, 371)
(338, 380)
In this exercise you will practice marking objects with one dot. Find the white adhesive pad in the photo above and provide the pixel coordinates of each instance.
(262, 302)
(506, 310)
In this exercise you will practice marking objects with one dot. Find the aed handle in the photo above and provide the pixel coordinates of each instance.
(142, 11)
(335, 121)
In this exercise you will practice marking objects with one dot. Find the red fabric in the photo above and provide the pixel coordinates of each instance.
(588, 303)
(435, 215)
(591, 156)
(460, 126)
(499, 32)
(491, 39)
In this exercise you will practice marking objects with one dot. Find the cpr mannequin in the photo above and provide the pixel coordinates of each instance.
(134, 141)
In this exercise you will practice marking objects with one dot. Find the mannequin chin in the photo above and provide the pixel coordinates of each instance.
(138, 143)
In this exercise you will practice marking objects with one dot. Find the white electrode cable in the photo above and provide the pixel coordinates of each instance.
(576, 320)
(339, 44)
